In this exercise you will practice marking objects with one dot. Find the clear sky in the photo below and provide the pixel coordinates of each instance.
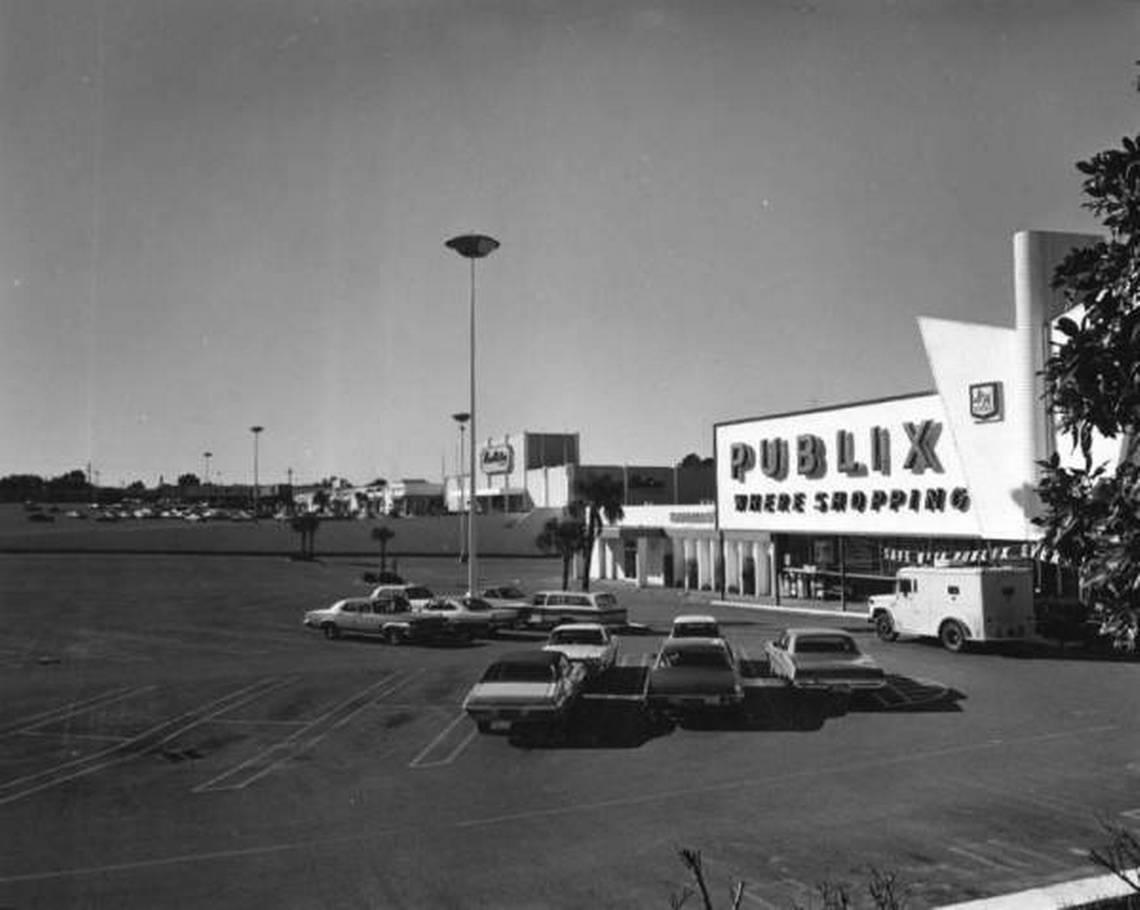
(220, 213)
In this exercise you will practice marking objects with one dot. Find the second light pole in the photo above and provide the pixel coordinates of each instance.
(472, 247)
(256, 431)
(461, 418)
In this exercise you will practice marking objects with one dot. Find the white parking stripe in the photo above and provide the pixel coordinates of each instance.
(73, 709)
(16, 789)
(977, 858)
(418, 761)
(268, 760)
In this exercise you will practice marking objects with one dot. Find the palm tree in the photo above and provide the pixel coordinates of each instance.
(601, 498)
(306, 525)
(564, 537)
(383, 534)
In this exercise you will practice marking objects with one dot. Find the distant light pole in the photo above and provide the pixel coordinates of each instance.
(207, 456)
(256, 431)
(472, 247)
(461, 418)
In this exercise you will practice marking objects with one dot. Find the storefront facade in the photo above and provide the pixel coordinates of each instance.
(829, 502)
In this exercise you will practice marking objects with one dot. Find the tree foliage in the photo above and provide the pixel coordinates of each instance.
(1092, 382)
(600, 501)
(382, 535)
(562, 536)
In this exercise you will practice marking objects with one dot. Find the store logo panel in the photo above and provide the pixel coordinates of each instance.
(497, 459)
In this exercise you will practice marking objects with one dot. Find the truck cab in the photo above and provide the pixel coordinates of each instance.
(958, 605)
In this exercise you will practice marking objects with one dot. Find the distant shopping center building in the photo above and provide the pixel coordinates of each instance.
(530, 470)
(830, 502)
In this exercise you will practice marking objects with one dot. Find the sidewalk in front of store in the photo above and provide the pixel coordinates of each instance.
(856, 610)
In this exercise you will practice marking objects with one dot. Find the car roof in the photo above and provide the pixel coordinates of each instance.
(694, 644)
(815, 630)
(578, 626)
(537, 657)
(694, 618)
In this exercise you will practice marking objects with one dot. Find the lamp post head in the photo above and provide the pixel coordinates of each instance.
(473, 246)
(256, 429)
(461, 418)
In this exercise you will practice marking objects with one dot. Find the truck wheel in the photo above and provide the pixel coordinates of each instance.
(331, 631)
(885, 627)
(483, 726)
(952, 635)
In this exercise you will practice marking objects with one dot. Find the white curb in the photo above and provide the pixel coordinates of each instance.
(781, 608)
(1055, 897)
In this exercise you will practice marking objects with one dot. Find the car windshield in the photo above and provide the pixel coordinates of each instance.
(474, 603)
(825, 644)
(507, 593)
(694, 657)
(518, 672)
(417, 593)
(577, 637)
(605, 600)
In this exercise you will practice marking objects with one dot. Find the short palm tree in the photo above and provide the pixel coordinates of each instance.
(382, 535)
(306, 525)
(601, 499)
(564, 537)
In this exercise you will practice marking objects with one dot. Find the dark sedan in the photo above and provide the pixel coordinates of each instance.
(695, 675)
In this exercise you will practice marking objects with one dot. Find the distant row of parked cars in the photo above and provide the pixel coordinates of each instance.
(405, 613)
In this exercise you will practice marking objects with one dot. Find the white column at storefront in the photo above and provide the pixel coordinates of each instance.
(762, 560)
(705, 563)
(686, 556)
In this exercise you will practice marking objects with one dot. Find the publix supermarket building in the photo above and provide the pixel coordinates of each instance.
(829, 503)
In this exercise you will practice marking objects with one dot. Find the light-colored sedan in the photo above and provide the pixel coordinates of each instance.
(586, 643)
(823, 658)
(525, 690)
(694, 625)
(471, 615)
(387, 618)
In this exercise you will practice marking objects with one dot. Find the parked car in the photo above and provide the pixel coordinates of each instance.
(525, 691)
(694, 626)
(695, 675)
(509, 597)
(386, 617)
(416, 595)
(471, 615)
(555, 608)
(587, 643)
(823, 659)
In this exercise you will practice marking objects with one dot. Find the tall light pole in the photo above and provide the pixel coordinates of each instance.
(472, 247)
(256, 431)
(461, 418)
(207, 456)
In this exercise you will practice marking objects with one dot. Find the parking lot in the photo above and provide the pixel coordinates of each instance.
(172, 736)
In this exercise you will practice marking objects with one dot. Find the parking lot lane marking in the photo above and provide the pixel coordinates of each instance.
(253, 722)
(978, 858)
(1036, 855)
(268, 760)
(73, 709)
(1131, 813)
(21, 787)
(336, 725)
(69, 734)
(418, 761)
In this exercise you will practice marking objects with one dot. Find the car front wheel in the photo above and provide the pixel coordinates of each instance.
(331, 631)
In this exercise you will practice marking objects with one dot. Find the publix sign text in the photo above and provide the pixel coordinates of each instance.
(781, 461)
